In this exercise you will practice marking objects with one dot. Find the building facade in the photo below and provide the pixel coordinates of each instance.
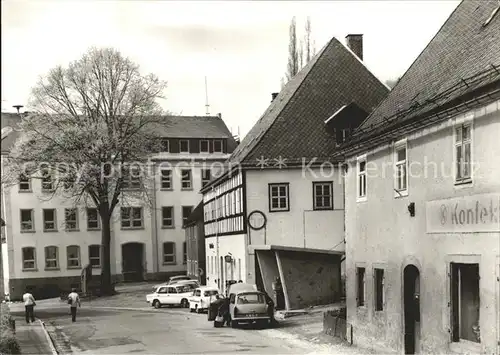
(278, 210)
(195, 241)
(423, 200)
(49, 240)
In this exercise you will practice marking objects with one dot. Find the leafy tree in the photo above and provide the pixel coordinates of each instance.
(392, 83)
(94, 124)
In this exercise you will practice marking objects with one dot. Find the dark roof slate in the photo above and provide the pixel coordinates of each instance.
(195, 127)
(462, 48)
(293, 126)
(195, 216)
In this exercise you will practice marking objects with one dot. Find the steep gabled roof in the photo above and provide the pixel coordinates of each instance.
(463, 56)
(195, 216)
(293, 126)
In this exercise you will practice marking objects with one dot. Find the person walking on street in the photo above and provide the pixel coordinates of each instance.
(74, 301)
(29, 305)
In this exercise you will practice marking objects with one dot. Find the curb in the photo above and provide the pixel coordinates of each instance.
(49, 339)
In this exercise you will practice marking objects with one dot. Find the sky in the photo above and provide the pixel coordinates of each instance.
(240, 47)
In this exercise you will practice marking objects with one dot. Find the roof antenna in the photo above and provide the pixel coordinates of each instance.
(18, 107)
(207, 106)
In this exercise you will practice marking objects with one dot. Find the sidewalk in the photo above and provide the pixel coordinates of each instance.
(32, 338)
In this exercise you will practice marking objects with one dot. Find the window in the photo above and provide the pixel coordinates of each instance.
(166, 179)
(465, 302)
(361, 178)
(463, 153)
(29, 258)
(360, 297)
(323, 195)
(184, 146)
(401, 167)
(279, 197)
(95, 255)
(93, 219)
(167, 217)
(132, 178)
(342, 134)
(250, 298)
(184, 253)
(47, 181)
(131, 217)
(379, 289)
(204, 146)
(73, 253)
(24, 183)
(186, 211)
(218, 146)
(51, 258)
(49, 220)
(71, 219)
(186, 180)
(205, 177)
(165, 145)
(27, 221)
(169, 253)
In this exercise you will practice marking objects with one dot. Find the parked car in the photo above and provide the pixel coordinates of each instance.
(247, 305)
(202, 298)
(170, 295)
(194, 284)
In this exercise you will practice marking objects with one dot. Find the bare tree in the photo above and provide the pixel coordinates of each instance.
(293, 54)
(309, 50)
(95, 123)
(391, 83)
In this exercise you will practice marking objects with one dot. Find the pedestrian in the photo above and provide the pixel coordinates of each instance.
(74, 301)
(29, 305)
(278, 293)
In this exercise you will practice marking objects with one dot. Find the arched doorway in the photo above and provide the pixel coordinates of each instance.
(133, 261)
(411, 289)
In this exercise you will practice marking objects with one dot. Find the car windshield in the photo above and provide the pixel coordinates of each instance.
(246, 298)
(210, 293)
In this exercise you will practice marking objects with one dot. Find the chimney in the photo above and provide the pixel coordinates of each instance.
(274, 95)
(355, 44)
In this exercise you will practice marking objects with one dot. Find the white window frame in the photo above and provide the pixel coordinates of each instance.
(53, 221)
(131, 218)
(47, 180)
(279, 197)
(180, 146)
(398, 146)
(184, 181)
(56, 259)
(166, 179)
(221, 146)
(204, 181)
(32, 222)
(329, 184)
(359, 176)
(184, 218)
(26, 182)
(34, 268)
(97, 266)
(132, 182)
(173, 262)
(67, 211)
(460, 124)
(208, 146)
(98, 220)
(164, 219)
(165, 143)
(68, 258)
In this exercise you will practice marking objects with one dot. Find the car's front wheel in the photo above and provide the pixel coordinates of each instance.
(156, 304)
(184, 303)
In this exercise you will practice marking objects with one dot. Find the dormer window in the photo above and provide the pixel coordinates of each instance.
(342, 134)
(204, 146)
(184, 146)
(218, 146)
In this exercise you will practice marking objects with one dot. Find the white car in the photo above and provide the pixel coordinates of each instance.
(173, 295)
(201, 298)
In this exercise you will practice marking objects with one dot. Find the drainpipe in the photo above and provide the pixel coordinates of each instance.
(154, 230)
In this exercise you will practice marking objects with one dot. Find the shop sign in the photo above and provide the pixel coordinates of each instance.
(466, 214)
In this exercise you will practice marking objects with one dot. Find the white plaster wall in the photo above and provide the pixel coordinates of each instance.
(381, 231)
(234, 244)
(301, 226)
